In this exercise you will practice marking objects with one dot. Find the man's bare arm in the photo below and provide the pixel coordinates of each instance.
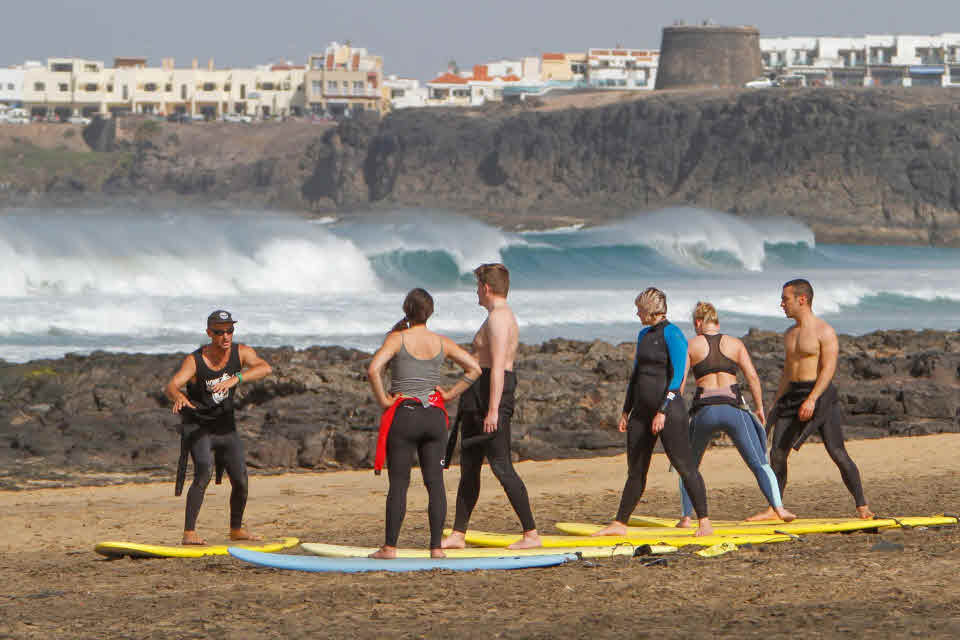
(188, 369)
(826, 368)
(498, 334)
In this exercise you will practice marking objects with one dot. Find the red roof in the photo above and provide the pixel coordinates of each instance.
(554, 56)
(510, 78)
(285, 67)
(449, 78)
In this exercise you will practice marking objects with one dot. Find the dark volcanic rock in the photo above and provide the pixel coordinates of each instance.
(106, 413)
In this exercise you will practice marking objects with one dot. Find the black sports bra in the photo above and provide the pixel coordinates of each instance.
(715, 362)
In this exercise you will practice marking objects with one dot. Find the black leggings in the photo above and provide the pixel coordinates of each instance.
(230, 449)
(787, 429)
(424, 431)
(497, 452)
(676, 443)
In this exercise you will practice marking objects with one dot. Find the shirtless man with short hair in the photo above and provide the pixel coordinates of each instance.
(486, 409)
(807, 401)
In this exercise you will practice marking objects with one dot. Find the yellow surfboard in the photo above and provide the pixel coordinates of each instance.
(341, 551)
(134, 550)
(488, 539)
(799, 526)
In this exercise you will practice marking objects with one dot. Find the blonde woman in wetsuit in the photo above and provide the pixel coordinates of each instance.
(415, 416)
(718, 406)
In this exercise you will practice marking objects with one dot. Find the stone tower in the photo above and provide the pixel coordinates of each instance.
(708, 56)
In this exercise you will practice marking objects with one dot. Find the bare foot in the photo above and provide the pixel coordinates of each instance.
(454, 541)
(864, 512)
(705, 528)
(437, 553)
(530, 540)
(766, 514)
(615, 528)
(384, 553)
(686, 522)
(192, 537)
(785, 515)
(243, 534)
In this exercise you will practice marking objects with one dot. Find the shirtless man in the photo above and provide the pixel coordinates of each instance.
(211, 375)
(807, 401)
(486, 409)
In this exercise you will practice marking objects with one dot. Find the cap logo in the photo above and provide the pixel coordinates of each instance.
(224, 315)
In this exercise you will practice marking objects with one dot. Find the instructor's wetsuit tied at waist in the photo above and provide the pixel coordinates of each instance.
(655, 387)
(211, 427)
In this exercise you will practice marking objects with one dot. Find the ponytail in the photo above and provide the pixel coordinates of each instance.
(400, 326)
(417, 307)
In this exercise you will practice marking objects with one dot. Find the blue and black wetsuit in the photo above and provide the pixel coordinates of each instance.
(655, 386)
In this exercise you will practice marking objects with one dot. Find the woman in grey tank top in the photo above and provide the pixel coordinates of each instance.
(415, 418)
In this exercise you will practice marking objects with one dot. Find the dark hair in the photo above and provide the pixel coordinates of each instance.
(801, 287)
(494, 275)
(417, 307)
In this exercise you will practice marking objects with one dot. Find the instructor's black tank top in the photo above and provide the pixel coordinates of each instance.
(213, 410)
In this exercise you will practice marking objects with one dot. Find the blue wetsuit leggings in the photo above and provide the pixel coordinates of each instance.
(750, 442)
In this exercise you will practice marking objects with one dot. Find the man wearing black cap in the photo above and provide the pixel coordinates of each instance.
(211, 375)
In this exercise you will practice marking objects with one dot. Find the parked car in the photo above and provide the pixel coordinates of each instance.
(178, 117)
(761, 83)
(237, 117)
(79, 120)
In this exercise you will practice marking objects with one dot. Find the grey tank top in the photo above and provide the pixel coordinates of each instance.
(414, 377)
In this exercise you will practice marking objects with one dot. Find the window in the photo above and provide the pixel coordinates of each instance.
(126, 92)
(226, 87)
(64, 87)
(267, 86)
(332, 85)
(357, 84)
(168, 87)
(150, 86)
(396, 93)
(243, 92)
(209, 86)
(9, 86)
(39, 86)
(62, 67)
(110, 88)
(183, 92)
(90, 87)
(316, 86)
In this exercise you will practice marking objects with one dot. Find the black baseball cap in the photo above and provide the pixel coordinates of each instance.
(220, 316)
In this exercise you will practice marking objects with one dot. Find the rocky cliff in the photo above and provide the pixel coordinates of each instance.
(857, 165)
(102, 418)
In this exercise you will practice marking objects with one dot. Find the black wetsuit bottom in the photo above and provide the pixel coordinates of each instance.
(496, 450)
(230, 448)
(789, 427)
(676, 444)
(421, 430)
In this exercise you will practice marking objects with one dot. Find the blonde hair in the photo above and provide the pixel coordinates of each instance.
(706, 313)
(652, 302)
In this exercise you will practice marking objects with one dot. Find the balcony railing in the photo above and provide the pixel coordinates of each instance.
(347, 92)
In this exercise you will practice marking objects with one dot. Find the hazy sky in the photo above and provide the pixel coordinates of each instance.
(417, 37)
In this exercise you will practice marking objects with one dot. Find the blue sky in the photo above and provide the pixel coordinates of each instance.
(416, 37)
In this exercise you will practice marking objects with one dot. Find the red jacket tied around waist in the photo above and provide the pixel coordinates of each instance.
(386, 420)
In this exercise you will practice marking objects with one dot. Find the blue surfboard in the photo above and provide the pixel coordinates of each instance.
(358, 565)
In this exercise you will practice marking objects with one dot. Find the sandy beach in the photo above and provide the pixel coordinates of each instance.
(824, 586)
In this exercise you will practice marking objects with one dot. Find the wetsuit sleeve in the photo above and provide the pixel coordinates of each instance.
(628, 402)
(677, 348)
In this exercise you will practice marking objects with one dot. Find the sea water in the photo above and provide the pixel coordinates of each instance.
(133, 281)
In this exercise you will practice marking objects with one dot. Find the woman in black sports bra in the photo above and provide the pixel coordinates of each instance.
(718, 406)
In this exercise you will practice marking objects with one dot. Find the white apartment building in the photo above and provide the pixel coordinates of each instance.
(65, 87)
(405, 93)
(870, 60)
(623, 69)
(11, 85)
